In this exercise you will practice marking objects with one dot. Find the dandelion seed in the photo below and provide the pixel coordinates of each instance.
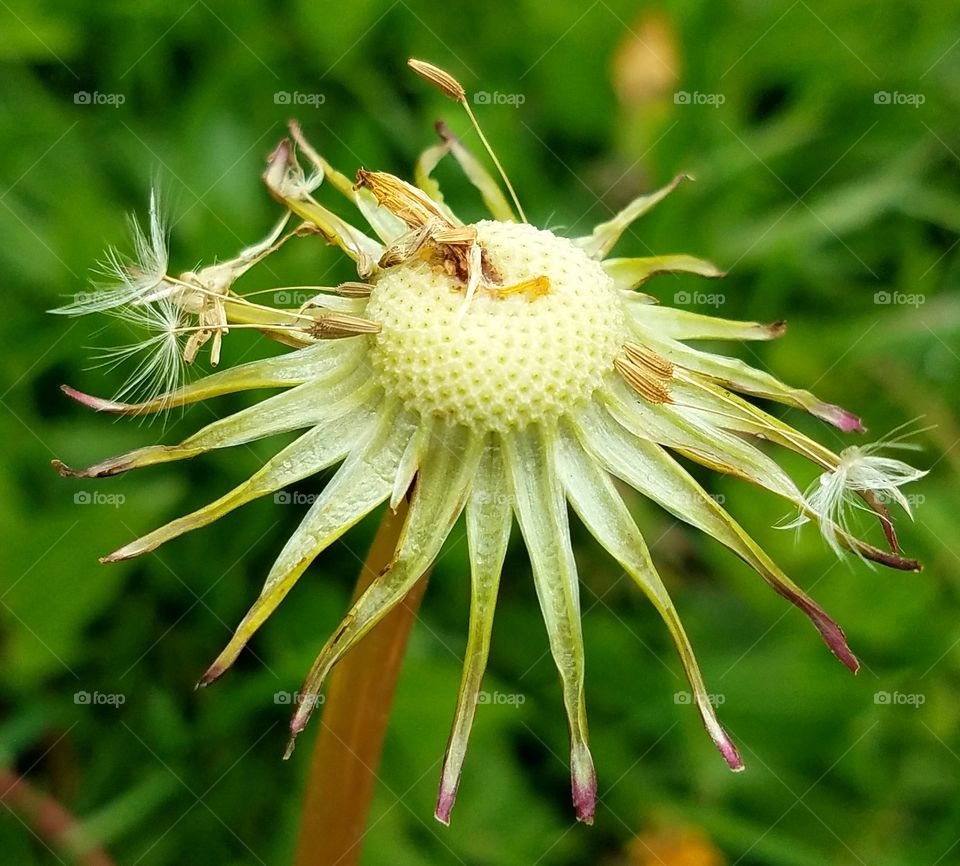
(139, 279)
(157, 352)
(453, 89)
(836, 494)
(352, 289)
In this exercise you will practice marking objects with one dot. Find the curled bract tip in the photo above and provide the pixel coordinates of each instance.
(98, 404)
(721, 739)
(211, 675)
(583, 783)
(837, 641)
(840, 418)
(445, 803)
(64, 470)
(730, 752)
(777, 328)
(585, 802)
(117, 407)
(833, 636)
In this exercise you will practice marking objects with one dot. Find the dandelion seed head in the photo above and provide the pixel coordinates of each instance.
(509, 360)
(495, 369)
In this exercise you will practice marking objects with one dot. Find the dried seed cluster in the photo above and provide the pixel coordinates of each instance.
(510, 360)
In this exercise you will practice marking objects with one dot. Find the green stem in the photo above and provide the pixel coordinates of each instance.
(343, 768)
(50, 822)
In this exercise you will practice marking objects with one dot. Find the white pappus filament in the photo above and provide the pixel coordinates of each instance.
(158, 350)
(834, 495)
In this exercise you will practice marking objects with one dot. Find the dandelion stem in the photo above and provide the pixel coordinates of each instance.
(275, 326)
(233, 297)
(346, 755)
(315, 289)
(50, 821)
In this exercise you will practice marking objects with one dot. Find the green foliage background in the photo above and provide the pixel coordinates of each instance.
(813, 196)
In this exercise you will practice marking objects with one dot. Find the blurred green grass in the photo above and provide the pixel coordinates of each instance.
(811, 193)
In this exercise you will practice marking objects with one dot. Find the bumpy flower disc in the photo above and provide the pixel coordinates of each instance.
(500, 361)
